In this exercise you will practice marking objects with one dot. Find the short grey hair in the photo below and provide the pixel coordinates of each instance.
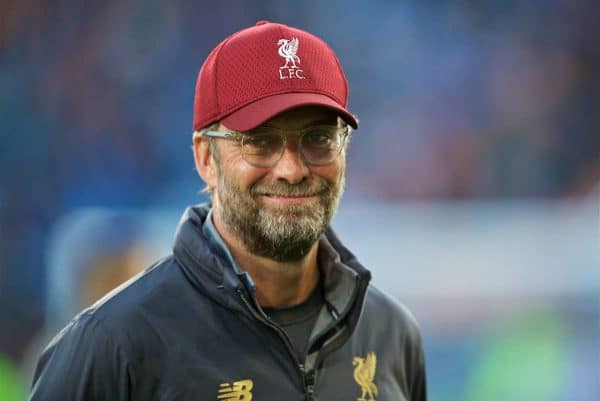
(212, 146)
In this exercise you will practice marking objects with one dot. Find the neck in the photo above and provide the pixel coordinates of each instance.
(278, 284)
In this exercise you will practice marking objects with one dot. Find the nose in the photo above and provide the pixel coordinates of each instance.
(291, 167)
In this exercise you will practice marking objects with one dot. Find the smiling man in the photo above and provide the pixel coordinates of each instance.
(260, 300)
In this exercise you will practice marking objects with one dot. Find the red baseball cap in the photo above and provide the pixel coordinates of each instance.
(264, 70)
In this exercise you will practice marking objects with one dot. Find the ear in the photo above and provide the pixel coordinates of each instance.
(205, 163)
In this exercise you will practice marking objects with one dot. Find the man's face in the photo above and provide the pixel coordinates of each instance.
(278, 212)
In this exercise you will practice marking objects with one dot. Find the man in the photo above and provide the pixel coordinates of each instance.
(260, 300)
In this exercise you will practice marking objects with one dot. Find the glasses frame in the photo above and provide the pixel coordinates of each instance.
(285, 133)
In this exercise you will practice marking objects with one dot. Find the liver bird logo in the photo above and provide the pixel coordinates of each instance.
(288, 50)
(364, 373)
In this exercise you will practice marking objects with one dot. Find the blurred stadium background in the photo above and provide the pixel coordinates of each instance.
(473, 187)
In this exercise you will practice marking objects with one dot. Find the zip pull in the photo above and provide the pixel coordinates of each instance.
(247, 281)
(334, 313)
(309, 383)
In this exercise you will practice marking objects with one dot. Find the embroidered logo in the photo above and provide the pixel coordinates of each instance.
(288, 49)
(364, 373)
(238, 391)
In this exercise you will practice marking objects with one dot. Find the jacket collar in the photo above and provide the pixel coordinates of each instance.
(208, 264)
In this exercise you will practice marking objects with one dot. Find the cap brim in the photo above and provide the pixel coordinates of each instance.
(260, 111)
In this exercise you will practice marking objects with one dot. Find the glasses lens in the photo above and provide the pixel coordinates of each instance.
(318, 145)
(262, 149)
(321, 145)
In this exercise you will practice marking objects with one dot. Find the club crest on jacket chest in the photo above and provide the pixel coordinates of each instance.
(364, 374)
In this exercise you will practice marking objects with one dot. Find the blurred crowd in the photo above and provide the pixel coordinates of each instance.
(457, 100)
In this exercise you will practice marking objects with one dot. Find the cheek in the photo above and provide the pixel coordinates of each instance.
(332, 172)
(239, 171)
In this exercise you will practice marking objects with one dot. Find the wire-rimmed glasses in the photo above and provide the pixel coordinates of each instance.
(264, 146)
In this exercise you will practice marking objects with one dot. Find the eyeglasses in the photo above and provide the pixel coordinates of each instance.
(264, 146)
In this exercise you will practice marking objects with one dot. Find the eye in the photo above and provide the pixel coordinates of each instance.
(261, 143)
(320, 138)
(258, 141)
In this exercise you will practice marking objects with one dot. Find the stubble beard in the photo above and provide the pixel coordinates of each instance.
(285, 233)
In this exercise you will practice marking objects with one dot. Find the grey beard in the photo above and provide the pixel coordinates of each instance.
(289, 236)
(284, 234)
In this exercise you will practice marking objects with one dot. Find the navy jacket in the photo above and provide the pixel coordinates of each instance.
(189, 328)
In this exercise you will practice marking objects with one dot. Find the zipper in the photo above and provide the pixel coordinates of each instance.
(330, 344)
(308, 377)
(260, 315)
(309, 383)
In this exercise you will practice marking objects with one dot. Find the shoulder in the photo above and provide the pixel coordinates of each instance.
(122, 308)
(82, 362)
(83, 333)
(381, 309)
(394, 331)
(116, 320)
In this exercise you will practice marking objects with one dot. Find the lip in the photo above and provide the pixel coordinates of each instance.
(289, 200)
